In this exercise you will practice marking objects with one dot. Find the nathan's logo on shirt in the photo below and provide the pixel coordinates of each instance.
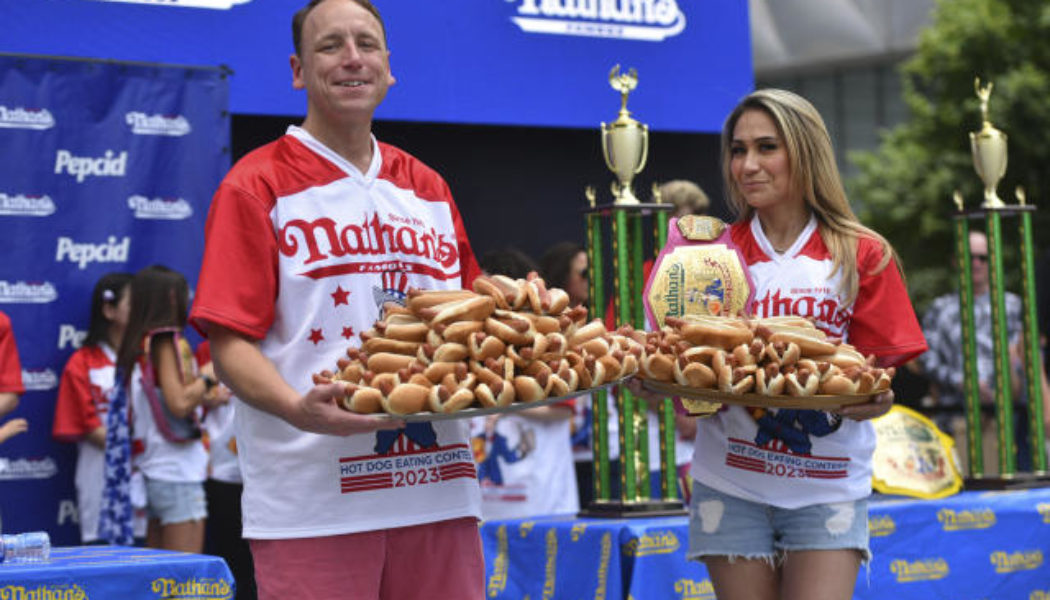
(881, 526)
(43, 592)
(1009, 562)
(640, 20)
(143, 124)
(27, 292)
(69, 335)
(952, 520)
(825, 311)
(690, 589)
(324, 240)
(198, 589)
(39, 379)
(657, 542)
(26, 118)
(919, 570)
(170, 209)
(82, 167)
(20, 205)
(27, 468)
(213, 4)
(111, 251)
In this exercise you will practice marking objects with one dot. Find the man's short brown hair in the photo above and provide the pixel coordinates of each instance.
(300, 17)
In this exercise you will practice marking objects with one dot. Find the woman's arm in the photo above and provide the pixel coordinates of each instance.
(181, 398)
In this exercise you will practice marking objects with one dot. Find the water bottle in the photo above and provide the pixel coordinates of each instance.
(34, 546)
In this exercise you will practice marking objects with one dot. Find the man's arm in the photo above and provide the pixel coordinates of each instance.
(8, 402)
(255, 380)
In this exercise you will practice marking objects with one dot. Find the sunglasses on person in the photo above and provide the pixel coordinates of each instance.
(979, 257)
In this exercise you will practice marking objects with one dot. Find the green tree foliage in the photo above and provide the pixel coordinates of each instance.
(905, 186)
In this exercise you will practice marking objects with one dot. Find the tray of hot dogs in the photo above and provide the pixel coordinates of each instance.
(780, 362)
(507, 345)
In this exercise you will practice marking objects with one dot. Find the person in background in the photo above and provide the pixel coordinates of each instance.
(687, 197)
(166, 394)
(10, 382)
(83, 399)
(294, 269)
(761, 532)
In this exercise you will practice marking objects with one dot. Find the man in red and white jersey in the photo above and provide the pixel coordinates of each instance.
(307, 238)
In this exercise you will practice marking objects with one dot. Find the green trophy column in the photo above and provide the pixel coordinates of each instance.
(626, 403)
(599, 399)
(668, 462)
(969, 349)
(636, 272)
(1004, 412)
(1032, 359)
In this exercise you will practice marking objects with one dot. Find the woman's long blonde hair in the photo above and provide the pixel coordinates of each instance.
(814, 175)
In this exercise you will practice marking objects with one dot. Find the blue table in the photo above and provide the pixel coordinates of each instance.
(103, 572)
(971, 546)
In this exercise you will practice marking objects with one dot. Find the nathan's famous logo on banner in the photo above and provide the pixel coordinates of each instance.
(12, 469)
(656, 542)
(215, 4)
(170, 209)
(690, 589)
(84, 253)
(1009, 562)
(919, 570)
(21, 205)
(642, 20)
(198, 589)
(82, 167)
(39, 380)
(43, 592)
(25, 118)
(958, 520)
(143, 124)
(27, 292)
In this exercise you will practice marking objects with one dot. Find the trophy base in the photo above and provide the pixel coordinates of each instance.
(1019, 481)
(618, 509)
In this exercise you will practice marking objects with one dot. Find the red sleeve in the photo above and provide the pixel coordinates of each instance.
(75, 413)
(884, 322)
(203, 354)
(10, 366)
(237, 288)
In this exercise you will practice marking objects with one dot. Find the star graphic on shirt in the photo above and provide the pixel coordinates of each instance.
(315, 336)
(348, 332)
(340, 296)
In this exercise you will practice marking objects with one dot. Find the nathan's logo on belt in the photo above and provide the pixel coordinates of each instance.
(919, 570)
(20, 205)
(650, 21)
(689, 589)
(1008, 562)
(31, 292)
(143, 124)
(43, 592)
(198, 589)
(965, 519)
(384, 239)
(215, 4)
(657, 542)
(82, 167)
(170, 209)
(26, 118)
(881, 526)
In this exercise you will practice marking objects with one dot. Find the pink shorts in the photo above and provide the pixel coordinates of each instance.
(435, 560)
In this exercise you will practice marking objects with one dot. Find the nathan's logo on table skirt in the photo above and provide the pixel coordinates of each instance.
(25, 118)
(143, 124)
(965, 519)
(27, 292)
(919, 570)
(498, 582)
(1039, 595)
(20, 205)
(881, 526)
(39, 380)
(1009, 562)
(646, 20)
(214, 4)
(657, 542)
(169, 209)
(1044, 511)
(43, 592)
(27, 468)
(197, 589)
(550, 577)
(689, 589)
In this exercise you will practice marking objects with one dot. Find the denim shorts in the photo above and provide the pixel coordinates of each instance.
(175, 501)
(724, 525)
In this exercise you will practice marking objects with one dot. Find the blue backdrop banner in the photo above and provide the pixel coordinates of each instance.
(106, 167)
(503, 62)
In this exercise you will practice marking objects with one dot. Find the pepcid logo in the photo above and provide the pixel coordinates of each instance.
(27, 468)
(20, 205)
(50, 592)
(69, 335)
(640, 20)
(198, 589)
(82, 167)
(39, 380)
(26, 118)
(215, 4)
(170, 209)
(84, 253)
(143, 124)
(27, 292)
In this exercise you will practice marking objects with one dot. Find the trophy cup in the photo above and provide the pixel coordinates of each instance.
(625, 141)
(989, 150)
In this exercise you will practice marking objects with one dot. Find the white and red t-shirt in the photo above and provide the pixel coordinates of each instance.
(794, 458)
(302, 250)
(219, 431)
(10, 366)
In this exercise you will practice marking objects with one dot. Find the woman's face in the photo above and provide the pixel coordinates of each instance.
(759, 161)
(577, 284)
(118, 313)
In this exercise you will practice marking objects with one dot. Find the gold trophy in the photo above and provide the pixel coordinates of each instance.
(989, 150)
(625, 141)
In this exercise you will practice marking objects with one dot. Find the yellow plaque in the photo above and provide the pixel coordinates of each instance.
(697, 228)
(913, 457)
(700, 279)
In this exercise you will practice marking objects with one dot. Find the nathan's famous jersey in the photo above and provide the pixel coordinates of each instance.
(793, 458)
(302, 251)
